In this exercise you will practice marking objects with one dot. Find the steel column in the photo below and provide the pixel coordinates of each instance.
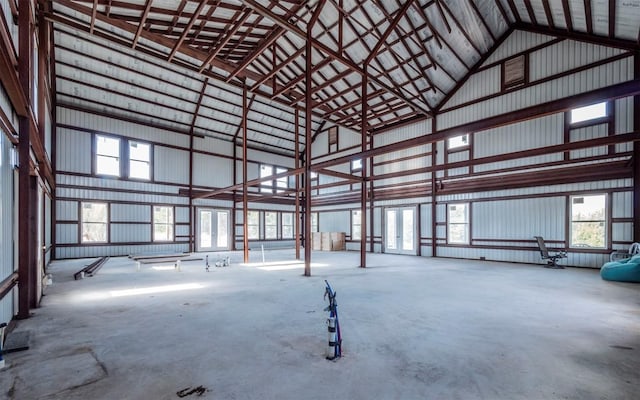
(308, 109)
(245, 202)
(25, 242)
(636, 154)
(363, 185)
(296, 166)
(434, 190)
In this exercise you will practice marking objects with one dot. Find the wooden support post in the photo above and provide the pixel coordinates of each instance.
(245, 201)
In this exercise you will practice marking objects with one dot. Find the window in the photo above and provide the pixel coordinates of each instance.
(94, 222)
(458, 223)
(270, 225)
(162, 224)
(314, 222)
(282, 183)
(253, 224)
(588, 113)
(356, 224)
(588, 221)
(356, 165)
(458, 142)
(107, 155)
(139, 160)
(287, 225)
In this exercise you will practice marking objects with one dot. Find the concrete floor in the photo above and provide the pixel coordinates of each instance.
(413, 328)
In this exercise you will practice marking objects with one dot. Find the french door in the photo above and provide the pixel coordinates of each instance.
(400, 230)
(213, 230)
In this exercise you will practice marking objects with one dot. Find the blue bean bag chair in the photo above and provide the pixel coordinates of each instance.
(627, 270)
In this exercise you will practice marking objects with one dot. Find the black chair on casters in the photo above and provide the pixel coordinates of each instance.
(552, 258)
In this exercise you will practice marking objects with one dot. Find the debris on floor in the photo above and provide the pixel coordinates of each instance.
(199, 391)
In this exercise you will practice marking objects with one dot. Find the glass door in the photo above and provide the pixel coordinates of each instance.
(400, 231)
(212, 230)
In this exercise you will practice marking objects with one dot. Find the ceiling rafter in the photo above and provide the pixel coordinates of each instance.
(143, 20)
(257, 7)
(225, 39)
(186, 30)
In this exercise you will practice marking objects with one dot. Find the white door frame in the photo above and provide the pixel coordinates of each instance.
(214, 242)
(399, 244)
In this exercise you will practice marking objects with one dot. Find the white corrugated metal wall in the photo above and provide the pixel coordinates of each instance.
(503, 223)
(7, 226)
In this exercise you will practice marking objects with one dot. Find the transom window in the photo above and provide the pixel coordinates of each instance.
(588, 221)
(266, 171)
(588, 113)
(107, 155)
(163, 223)
(283, 182)
(139, 160)
(95, 219)
(458, 223)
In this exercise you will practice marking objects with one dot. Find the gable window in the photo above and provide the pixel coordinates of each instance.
(588, 113)
(458, 223)
(270, 225)
(458, 142)
(162, 223)
(253, 224)
(356, 224)
(588, 221)
(107, 155)
(287, 225)
(95, 220)
(139, 160)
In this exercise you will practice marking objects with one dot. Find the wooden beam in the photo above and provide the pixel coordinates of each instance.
(186, 30)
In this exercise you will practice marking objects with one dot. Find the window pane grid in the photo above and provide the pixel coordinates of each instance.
(163, 223)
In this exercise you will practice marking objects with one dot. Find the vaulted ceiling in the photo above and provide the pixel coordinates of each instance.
(415, 55)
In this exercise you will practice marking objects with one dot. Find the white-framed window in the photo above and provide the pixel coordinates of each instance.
(163, 223)
(458, 223)
(270, 225)
(253, 224)
(356, 224)
(588, 113)
(107, 155)
(314, 222)
(588, 221)
(139, 160)
(458, 142)
(287, 225)
(95, 222)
